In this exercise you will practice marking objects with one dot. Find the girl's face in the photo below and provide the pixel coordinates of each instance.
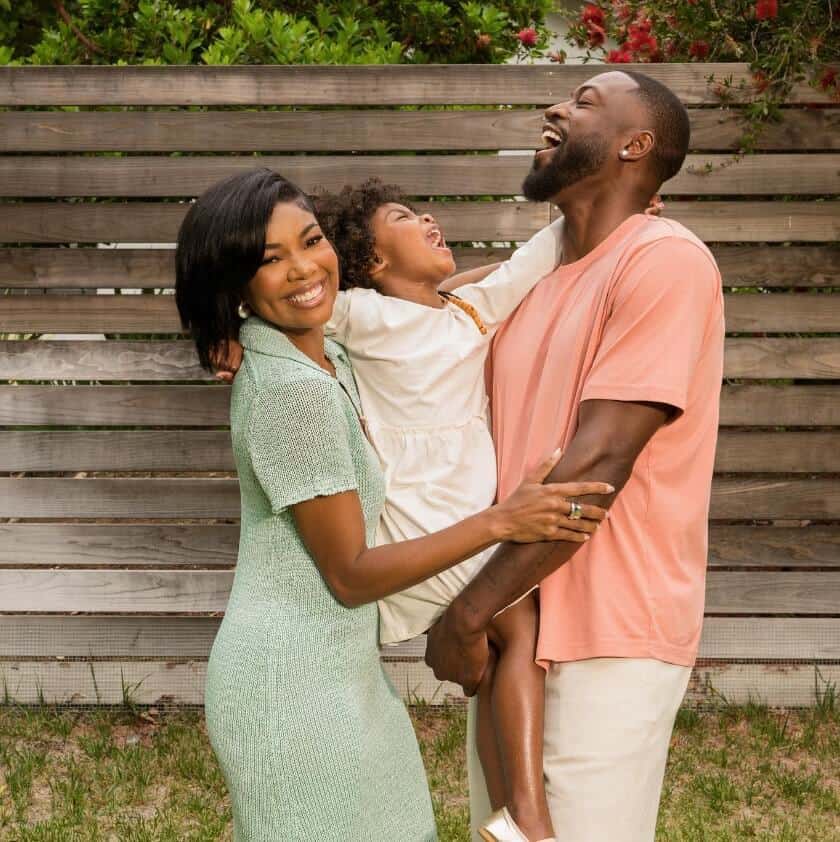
(296, 285)
(410, 246)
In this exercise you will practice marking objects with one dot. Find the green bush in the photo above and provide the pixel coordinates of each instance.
(268, 32)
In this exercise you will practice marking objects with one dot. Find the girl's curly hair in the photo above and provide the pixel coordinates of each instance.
(345, 219)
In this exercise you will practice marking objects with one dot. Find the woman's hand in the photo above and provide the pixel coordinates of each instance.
(539, 511)
(655, 207)
(226, 360)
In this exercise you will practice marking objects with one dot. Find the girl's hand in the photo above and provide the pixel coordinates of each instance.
(655, 207)
(539, 511)
(226, 360)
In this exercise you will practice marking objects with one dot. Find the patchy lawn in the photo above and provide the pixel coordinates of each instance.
(735, 774)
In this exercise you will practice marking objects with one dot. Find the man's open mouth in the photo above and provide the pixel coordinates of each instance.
(552, 137)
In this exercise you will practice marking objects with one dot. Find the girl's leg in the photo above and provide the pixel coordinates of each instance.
(518, 705)
(485, 738)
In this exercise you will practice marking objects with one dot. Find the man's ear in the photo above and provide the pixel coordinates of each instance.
(638, 146)
(379, 264)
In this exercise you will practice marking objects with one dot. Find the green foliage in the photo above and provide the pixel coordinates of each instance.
(268, 31)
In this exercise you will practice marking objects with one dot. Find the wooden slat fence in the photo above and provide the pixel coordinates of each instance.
(118, 501)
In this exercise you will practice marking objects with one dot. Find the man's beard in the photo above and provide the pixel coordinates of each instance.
(580, 159)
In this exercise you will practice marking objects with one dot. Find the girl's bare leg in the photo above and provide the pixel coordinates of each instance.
(485, 738)
(518, 707)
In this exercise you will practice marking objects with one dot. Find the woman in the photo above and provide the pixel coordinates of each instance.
(312, 739)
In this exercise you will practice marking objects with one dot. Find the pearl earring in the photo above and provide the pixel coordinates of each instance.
(623, 153)
(243, 310)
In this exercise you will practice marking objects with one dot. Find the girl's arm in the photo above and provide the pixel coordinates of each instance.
(468, 276)
(333, 530)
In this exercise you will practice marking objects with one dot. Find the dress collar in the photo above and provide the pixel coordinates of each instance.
(255, 334)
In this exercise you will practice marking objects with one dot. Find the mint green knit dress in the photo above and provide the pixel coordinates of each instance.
(314, 743)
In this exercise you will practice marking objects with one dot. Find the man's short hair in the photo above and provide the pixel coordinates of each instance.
(671, 127)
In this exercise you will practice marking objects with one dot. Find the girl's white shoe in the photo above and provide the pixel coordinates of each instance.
(501, 827)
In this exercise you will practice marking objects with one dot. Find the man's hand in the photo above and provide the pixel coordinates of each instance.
(226, 360)
(455, 654)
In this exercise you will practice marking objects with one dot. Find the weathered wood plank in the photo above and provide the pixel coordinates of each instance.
(206, 450)
(140, 222)
(817, 359)
(422, 175)
(31, 636)
(367, 131)
(206, 591)
(150, 361)
(773, 546)
(157, 314)
(150, 545)
(343, 85)
(215, 545)
(136, 498)
(157, 683)
(791, 406)
(777, 685)
(184, 406)
(74, 268)
(149, 222)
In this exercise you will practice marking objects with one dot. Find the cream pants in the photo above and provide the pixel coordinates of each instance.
(608, 724)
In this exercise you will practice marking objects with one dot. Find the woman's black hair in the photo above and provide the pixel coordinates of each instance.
(345, 219)
(221, 244)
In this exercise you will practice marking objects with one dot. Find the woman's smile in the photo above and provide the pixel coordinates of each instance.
(310, 296)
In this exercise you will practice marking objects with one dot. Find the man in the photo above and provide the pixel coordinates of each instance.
(617, 357)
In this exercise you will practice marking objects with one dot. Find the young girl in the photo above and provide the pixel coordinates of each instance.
(418, 352)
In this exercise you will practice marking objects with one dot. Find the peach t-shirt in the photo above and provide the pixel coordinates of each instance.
(639, 318)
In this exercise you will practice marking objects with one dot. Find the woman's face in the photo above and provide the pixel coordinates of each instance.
(411, 246)
(296, 285)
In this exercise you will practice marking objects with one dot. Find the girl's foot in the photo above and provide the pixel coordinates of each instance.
(501, 827)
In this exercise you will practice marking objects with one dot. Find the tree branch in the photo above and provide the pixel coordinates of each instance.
(80, 36)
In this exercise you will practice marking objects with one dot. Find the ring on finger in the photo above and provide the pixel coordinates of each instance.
(575, 511)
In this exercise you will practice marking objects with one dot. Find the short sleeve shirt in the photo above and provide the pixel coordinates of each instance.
(639, 318)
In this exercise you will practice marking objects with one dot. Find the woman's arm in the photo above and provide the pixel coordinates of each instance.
(468, 276)
(332, 528)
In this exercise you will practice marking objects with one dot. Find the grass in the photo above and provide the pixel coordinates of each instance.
(738, 773)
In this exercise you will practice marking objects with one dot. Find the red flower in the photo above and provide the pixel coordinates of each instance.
(596, 35)
(527, 37)
(641, 41)
(828, 79)
(699, 50)
(593, 14)
(766, 9)
(760, 81)
(621, 10)
(483, 41)
(622, 56)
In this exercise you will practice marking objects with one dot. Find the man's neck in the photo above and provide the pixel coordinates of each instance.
(590, 219)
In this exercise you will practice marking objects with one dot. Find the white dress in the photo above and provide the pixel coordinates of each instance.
(420, 373)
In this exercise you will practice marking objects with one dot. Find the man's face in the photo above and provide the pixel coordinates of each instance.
(583, 135)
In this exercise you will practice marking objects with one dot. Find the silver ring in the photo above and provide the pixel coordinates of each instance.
(575, 511)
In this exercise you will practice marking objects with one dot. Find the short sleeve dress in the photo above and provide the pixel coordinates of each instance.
(312, 739)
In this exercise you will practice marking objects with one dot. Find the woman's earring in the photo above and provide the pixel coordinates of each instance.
(243, 310)
(623, 153)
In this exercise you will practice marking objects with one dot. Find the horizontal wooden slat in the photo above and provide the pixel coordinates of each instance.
(160, 682)
(369, 131)
(142, 222)
(777, 685)
(72, 268)
(183, 406)
(343, 85)
(176, 360)
(215, 545)
(423, 175)
(760, 405)
(773, 546)
(151, 545)
(157, 314)
(48, 498)
(774, 358)
(32, 636)
(206, 591)
(204, 450)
